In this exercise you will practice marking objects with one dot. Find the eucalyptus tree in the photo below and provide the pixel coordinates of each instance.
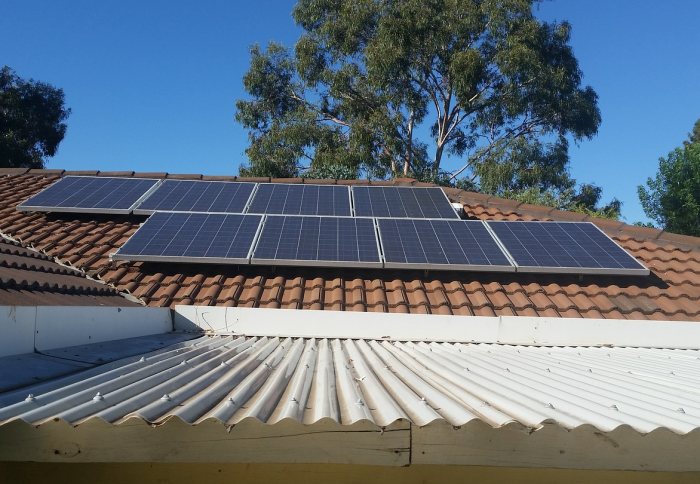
(32, 116)
(672, 197)
(387, 87)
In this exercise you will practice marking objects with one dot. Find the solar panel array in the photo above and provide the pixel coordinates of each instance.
(402, 202)
(197, 196)
(192, 237)
(556, 247)
(441, 244)
(101, 194)
(90, 194)
(304, 224)
(286, 199)
(318, 241)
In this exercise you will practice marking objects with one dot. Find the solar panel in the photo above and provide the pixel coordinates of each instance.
(564, 247)
(90, 194)
(441, 244)
(197, 196)
(320, 241)
(402, 202)
(286, 199)
(193, 237)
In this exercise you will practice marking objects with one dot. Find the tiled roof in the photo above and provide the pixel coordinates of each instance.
(233, 378)
(29, 278)
(671, 292)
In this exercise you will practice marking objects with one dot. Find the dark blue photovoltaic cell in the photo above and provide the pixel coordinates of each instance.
(192, 236)
(286, 199)
(562, 245)
(198, 196)
(454, 244)
(83, 193)
(401, 202)
(318, 239)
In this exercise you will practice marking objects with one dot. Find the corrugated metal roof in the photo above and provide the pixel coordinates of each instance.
(231, 378)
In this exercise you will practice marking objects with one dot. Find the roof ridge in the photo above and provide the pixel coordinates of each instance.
(465, 197)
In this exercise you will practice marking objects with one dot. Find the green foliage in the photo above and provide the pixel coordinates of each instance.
(495, 86)
(694, 135)
(583, 199)
(672, 197)
(331, 171)
(32, 116)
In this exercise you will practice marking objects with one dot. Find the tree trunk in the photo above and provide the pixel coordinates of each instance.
(409, 148)
(438, 156)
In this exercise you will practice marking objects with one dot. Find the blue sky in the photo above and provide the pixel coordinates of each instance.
(152, 85)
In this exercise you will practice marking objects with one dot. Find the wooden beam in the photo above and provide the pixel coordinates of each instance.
(248, 442)
(321, 473)
(555, 447)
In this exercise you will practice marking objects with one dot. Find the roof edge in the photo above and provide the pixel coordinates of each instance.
(507, 330)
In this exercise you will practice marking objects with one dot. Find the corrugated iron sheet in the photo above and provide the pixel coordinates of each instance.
(231, 378)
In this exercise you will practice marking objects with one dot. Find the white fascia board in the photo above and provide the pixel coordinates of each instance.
(333, 324)
(512, 330)
(61, 326)
(17, 329)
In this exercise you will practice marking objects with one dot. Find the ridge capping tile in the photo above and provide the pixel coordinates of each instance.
(44, 171)
(500, 203)
(184, 176)
(116, 173)
(81, 173)
(352, 182)
(13, 171)
(153, 174)
(688, 240)
(230, 178)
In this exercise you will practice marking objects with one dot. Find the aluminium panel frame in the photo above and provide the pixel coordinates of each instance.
(610, 271)
(178, 259)
(317, 263)
(22, 207)
(139, 211)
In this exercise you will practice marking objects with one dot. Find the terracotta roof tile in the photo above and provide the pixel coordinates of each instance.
(35, 279)
(672, 292)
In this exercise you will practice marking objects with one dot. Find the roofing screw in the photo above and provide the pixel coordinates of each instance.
(360, 402)
(549, 405)
(680, 409)
(165, 398)
(231, 401)
(294, 400)
(98, 396)
(142, 359)
(30, 398)
(614, 407)
(183, 362)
